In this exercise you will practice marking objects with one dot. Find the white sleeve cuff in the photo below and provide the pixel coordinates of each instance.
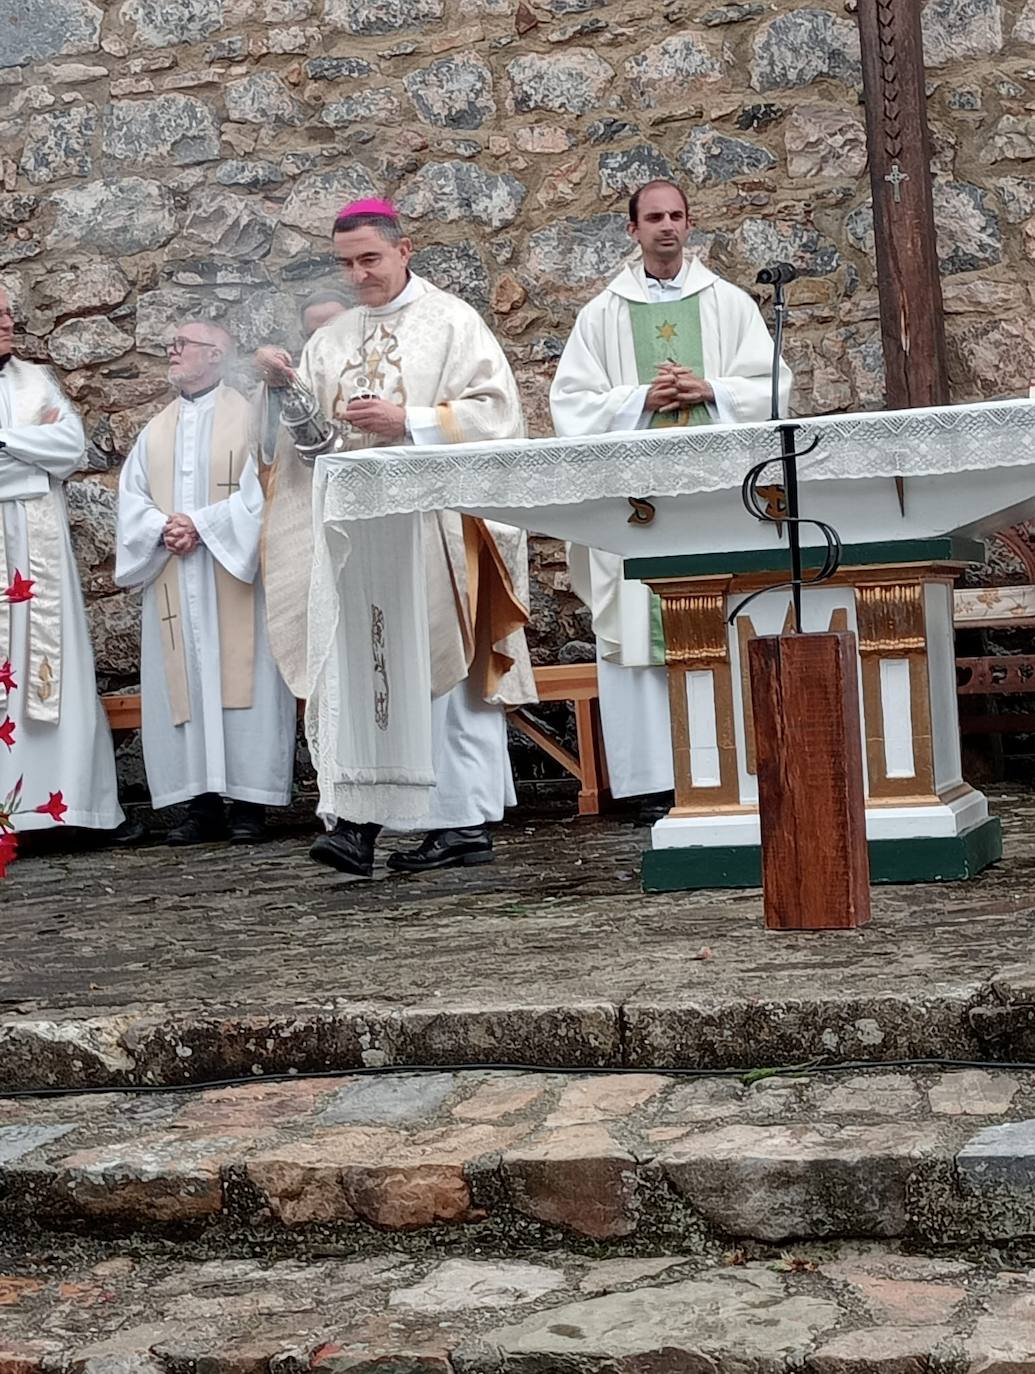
(632, 414)
(725, 410)
(422, 424)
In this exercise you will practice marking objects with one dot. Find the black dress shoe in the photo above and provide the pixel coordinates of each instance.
(348, 848)
(470, 844)
(247, 822)
(204, 824)
(128, 834)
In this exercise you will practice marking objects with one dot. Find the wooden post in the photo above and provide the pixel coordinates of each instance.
(912, 321)
(808, 747)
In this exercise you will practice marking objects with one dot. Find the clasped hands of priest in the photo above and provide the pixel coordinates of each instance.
(369, 414)
(676, 387)
(180, 535)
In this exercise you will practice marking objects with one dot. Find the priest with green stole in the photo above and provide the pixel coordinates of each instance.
(666, 344)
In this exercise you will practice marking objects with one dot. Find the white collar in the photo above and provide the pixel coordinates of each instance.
(202, 402)
(671, 282)
(409, 292)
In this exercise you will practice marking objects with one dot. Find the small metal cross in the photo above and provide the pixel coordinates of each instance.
(230, 484)
(169, 617)
(896, 176)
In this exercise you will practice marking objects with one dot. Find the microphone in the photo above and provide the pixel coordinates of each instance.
(778, 274)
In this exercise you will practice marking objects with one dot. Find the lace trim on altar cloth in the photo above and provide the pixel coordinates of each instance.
(545, 472)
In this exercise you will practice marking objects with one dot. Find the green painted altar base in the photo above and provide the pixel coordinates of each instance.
(923, 860)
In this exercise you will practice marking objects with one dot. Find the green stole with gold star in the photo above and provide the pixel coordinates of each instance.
(667, 331)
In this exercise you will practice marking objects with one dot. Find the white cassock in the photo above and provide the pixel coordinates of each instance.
(449, 663)
(247, 753)
(62, 741)
(598, 388)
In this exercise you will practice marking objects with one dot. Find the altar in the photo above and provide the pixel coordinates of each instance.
(912, 495)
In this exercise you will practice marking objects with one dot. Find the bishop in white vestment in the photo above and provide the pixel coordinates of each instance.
(217, 718)
(60, 740)
(416, 625)
(666, 343)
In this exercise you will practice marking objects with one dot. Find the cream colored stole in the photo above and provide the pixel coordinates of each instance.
(43, 515)
(235, 600)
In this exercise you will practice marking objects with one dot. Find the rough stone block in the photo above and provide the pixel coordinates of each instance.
(712, 158)
(776, 1182)
(743, 1319)
(577, 1178)
(451, 191)
(569, 83)
(802, 46)
(180, 129)
(78, 343)
(162, 1178)
(452, 93)
(120, 216)
(461, 1284)
(879, 1350)
(162, 23)
(661, 73)
(58, 144)
(49, 28)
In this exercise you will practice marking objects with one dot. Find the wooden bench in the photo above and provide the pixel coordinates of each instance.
(576, 683)
(995, 608)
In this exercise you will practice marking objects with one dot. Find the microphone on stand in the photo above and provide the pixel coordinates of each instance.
(778, 274)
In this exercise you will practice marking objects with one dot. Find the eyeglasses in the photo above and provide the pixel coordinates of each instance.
(177, 345)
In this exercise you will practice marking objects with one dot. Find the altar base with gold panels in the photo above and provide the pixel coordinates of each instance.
(923, 822)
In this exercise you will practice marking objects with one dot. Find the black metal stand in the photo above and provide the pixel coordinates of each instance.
(790, 514)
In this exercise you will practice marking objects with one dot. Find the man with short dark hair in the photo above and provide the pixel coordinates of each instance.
(217, 719)
(667, 343)
(416, 624)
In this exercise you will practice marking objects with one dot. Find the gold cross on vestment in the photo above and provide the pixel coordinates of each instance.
(169, 617)
(667, 331)
(230, 485)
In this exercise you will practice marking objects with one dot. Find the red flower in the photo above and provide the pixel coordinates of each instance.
(20, 589)
(7, 732)
(55, 808)
(7, 681)
(8, 851)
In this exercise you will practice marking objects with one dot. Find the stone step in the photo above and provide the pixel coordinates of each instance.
(831, 1310)
(509, 1160)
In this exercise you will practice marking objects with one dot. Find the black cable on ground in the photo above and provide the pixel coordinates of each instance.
(746, 1075)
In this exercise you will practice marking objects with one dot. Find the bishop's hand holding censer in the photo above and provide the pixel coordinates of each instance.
(360, 407)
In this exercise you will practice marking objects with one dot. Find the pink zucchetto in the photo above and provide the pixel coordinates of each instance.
(372, 206)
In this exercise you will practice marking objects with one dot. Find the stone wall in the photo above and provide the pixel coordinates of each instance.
(162, 156)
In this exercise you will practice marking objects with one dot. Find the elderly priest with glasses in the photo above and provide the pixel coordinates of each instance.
(218, 720)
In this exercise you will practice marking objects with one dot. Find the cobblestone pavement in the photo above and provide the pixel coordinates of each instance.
(847, 1310)
(511, 1161)
(551, 953)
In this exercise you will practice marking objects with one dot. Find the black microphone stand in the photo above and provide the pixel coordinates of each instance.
(790, 514)
(788, 457)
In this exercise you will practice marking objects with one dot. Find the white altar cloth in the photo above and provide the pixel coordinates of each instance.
(914, 444)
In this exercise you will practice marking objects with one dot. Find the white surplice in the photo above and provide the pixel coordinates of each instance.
(72, 755)
(597, 390)
(244, 753)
